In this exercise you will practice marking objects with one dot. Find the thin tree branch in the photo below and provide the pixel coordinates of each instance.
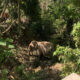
(9, 27)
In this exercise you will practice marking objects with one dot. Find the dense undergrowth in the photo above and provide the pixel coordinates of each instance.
(22, 21)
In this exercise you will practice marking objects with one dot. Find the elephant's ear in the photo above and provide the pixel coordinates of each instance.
(35, 44)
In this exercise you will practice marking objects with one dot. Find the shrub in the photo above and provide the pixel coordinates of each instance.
(76, 34)
(41, 29)
(70, 58)
(5, 49)
(4, 74)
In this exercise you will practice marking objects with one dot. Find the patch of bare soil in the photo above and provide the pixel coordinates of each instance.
(50, 72)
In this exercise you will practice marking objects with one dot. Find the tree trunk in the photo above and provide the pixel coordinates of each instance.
(19, 11)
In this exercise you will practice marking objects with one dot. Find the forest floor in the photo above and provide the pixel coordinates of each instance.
(20, 64)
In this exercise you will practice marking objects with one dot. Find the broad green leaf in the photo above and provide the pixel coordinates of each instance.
(9, 40)
(2, 43)
(10, 46)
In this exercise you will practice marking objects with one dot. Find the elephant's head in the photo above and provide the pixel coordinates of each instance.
(33, 46)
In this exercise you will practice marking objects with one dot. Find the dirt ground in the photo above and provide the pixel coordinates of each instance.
(45, 69)
(50, 69)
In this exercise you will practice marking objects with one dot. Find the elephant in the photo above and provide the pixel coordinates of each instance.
(41, 48)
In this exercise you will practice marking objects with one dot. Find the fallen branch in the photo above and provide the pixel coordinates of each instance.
(9, 27)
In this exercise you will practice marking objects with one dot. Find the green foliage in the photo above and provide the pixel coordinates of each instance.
(62, 15)
(34, 75)
(34, 28)
(5, 49)
(76, 2)
(31, 8)
(4, 74)
(70, 57)
(76, 34)
(14, 14)
(20, 69)
(65, 53)
(55, 24)
(62, 11)
(41, 29)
